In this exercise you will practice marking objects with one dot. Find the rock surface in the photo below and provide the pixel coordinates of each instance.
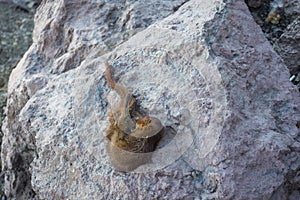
(288, 46)
(280, 21)
(16, 30)
(203, 68)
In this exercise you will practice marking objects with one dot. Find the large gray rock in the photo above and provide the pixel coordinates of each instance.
(203, 68)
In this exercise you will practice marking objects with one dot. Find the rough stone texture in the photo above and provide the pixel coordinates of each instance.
(291, 8)
(26, 5)
(288, 46)
(263, 134)
(15, 31)
(15, 38)
(204, 69)
(284, 35)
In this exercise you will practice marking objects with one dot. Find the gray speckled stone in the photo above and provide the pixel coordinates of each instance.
(203, 68)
